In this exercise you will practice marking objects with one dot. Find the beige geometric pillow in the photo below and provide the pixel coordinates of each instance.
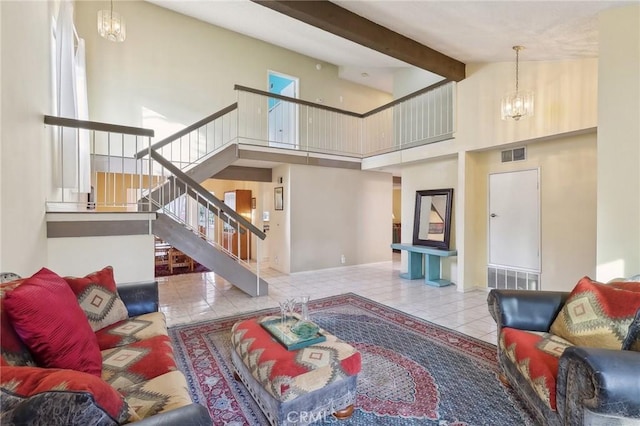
(597, 315)
(99, 298)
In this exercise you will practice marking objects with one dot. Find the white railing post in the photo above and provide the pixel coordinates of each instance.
(258, 244)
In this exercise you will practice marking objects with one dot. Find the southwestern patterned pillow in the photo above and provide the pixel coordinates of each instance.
(98, 298)
(597, 315)
(32, 395)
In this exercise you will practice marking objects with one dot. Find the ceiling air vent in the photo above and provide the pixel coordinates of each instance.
(516, 154)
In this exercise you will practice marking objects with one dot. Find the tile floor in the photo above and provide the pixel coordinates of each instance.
(200, 296)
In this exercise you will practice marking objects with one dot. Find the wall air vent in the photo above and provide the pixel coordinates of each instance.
(512, 279)
(516, 154)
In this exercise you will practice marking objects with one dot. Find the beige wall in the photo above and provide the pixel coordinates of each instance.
(566, 104)
(1, 142)
(565, 101)
(567, 173)
(618, 239)
(185, 69)
(409, 80)
(24, 142)
(335, 212)
(279, 236)
(567, 167)
(433, 174)
(131, 256)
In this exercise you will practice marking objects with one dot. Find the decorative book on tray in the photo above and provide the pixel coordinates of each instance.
(283, 332)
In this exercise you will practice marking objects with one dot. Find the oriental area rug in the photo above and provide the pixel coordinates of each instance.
(413, 372)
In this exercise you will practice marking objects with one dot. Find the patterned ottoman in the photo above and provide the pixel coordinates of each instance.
(295, 387)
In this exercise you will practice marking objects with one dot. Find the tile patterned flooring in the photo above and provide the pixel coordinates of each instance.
(200, 296)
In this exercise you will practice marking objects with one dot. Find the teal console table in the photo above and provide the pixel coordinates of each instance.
(417, 255)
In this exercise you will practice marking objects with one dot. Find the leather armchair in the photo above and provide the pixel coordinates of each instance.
(593, 386)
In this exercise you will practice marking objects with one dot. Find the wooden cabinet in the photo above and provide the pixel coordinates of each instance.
(240, 201)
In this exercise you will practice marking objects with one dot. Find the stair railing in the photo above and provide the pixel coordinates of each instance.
(212, 219)
(198, 141)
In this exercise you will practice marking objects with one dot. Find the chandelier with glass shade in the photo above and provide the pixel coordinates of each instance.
(519, 104)
(111, 25)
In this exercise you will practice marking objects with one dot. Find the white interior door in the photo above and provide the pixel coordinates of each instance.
(283, 115)
(514, 220)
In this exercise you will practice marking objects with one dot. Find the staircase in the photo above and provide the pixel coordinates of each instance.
(202, 251)
(175, 229)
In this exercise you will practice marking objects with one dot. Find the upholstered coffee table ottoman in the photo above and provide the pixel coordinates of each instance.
(296, 387)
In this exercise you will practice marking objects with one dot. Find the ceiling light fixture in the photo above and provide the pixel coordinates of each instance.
(111, 25)
(518, 104)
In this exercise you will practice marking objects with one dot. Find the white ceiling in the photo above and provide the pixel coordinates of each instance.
(469, 31)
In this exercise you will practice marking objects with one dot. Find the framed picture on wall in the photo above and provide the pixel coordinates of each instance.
(278, 201)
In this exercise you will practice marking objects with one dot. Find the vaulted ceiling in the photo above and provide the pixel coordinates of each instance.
(368, 40)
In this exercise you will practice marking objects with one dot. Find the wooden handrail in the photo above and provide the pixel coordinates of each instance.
(203, 193)
(187, 130)
(406, 97)
(342, 111)
(295, 100)
(98, 126)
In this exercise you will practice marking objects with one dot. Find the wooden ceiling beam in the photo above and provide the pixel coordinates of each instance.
(339, 21)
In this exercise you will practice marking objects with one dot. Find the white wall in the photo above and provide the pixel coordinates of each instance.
(619, 144)
(131, 256)
(185, 69)
(25, 163)
(335, 212)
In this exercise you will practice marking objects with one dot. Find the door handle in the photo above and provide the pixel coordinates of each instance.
(493, 215)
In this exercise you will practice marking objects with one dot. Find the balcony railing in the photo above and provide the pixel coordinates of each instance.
(270, 120)
(109, 167)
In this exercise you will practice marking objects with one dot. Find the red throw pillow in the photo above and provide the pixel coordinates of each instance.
(12, 350)
(99, 298)
(59, 387)
(46, 315)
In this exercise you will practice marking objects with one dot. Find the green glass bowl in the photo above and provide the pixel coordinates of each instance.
(305, 329)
